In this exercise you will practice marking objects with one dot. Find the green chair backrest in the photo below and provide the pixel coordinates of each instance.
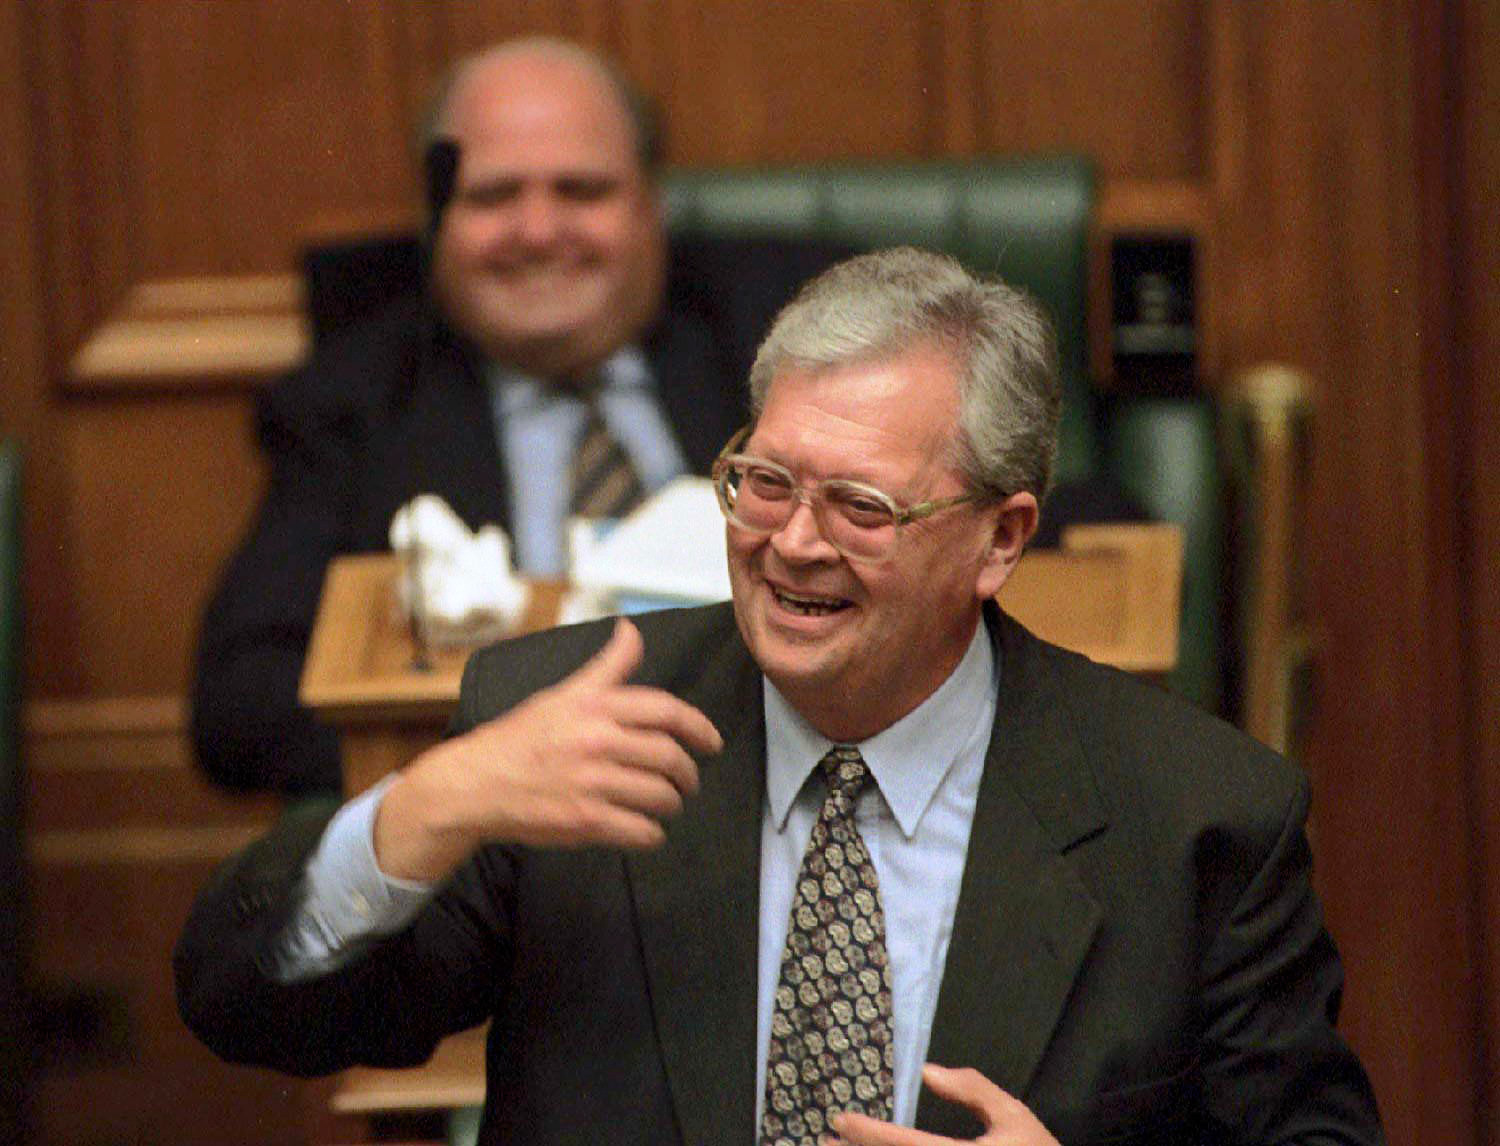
(1026, 220)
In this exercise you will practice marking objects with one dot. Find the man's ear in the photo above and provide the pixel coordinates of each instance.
(1014, 525)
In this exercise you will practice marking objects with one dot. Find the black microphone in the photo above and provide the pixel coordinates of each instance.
(440, 169)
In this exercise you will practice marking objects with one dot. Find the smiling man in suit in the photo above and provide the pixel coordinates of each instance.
(852, 855)
(555, 306)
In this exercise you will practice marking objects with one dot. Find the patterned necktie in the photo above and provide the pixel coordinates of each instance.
(831, 1047)
(604, 482)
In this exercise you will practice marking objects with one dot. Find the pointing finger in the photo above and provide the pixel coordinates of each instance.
(652, 708)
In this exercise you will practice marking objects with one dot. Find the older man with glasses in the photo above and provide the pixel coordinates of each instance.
(763, 871)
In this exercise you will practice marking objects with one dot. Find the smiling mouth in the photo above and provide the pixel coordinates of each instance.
(807, 606)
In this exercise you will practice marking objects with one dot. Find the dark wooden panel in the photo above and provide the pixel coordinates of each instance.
(1477, 250)
(162, 490)
(1321, 232)
(1120, 80)
(185, 138)
(25, 410)
(81, 121)
(106, 935)
(110, 890)
(473, 26)
(755, 82)
(252, 114)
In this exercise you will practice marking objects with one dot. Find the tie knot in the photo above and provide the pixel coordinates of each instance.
(845, 770)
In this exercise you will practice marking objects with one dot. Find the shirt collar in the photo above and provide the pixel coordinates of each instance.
(625, 369)
(935, 733)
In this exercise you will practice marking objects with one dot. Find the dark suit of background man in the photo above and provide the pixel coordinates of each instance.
(551, 281)
(1088, 902)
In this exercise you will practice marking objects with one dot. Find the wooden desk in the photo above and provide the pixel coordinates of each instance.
(360, 673)
(1112, 592)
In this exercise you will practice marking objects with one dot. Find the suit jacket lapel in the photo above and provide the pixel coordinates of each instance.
(697, 904)
(445, 434)
(1025, 919)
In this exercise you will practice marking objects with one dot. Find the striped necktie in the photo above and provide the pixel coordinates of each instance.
(831, 1043)
(604, 483)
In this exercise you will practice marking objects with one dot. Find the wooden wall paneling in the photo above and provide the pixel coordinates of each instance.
(425, 48)
(162, 490)
(108, 933)
(643, 49)
(781, 83)
(1449, 1035)
(1130, 85)
(954, 74)
(88, 204)
(188, 138)
(640, 48)
(25, 412)
(1476, 51)
(124, 832)
(22, 420)
(1321, 242)
(1120, 80)
(248, 117)
(1223, 189)
(597, 22)
(475, 26)
(432, 34)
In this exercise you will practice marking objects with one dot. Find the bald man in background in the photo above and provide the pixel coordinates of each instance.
(549, 295)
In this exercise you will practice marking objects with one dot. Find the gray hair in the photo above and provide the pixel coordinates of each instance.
(645, 122)
(878, 305)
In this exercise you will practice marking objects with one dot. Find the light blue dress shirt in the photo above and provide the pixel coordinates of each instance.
(915, 821)
(538, 427)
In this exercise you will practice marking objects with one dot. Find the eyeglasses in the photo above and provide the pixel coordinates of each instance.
(858, 520)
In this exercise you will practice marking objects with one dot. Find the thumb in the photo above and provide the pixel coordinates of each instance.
(613, 664)
(963, 1085)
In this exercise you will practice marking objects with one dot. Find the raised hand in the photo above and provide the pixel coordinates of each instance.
(592, 760)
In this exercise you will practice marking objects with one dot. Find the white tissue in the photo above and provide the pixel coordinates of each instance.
(468, 591)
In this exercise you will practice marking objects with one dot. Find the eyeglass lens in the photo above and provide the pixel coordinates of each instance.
(854, 520)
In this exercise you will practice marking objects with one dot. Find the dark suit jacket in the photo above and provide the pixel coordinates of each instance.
(396, 406)
(1137, 951)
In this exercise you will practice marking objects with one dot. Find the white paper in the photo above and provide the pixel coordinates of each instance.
(468, 592)
(671, 547)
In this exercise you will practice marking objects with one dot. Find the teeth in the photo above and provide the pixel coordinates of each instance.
(810, 606)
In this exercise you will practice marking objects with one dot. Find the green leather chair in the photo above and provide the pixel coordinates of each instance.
(1026, 220)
